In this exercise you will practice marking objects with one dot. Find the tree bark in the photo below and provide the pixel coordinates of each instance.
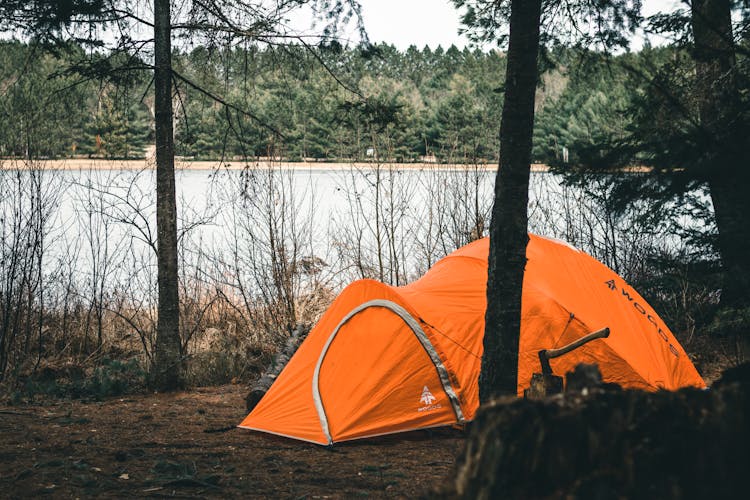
(509, 225)
(166, 371)
(721, 122)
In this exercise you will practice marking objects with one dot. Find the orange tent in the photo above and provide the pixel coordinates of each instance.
(387, 359)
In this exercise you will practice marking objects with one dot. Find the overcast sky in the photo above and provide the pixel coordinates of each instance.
(419, 22)
(433, 22)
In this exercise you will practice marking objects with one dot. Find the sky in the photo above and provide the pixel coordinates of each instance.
(423, 22)
(417, 22)
(436, 22)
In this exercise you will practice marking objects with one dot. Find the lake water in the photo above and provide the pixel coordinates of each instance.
(333, 225)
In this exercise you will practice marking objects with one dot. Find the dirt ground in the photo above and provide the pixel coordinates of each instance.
(177, 445)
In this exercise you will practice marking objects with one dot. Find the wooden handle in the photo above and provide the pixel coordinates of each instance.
(546, 354)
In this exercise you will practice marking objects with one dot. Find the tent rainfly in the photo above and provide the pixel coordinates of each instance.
(386, 359)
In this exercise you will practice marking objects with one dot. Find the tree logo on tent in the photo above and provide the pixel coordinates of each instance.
(427, 399)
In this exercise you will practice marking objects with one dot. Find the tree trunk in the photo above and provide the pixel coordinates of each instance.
(508, 229)
(166, 371)
(719, 105)
(725, 164)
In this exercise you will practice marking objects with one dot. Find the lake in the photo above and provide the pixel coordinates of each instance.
(329, 225)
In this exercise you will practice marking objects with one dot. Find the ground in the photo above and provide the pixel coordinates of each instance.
(178, 445)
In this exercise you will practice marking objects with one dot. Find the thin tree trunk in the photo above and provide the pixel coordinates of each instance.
(166, 371)
(726, 167)
(508, 229)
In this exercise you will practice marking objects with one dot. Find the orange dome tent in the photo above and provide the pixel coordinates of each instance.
(387, 359)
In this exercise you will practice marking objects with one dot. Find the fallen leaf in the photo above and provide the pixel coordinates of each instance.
(124, 476)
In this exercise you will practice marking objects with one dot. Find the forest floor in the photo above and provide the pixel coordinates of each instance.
(185, 445)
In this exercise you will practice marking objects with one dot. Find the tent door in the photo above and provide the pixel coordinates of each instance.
(383, 341)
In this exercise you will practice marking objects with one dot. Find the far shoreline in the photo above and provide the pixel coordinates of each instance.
(85, 164)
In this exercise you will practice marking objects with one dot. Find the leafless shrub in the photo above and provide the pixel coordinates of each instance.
(267, 265)
(27, 210)
(396, 223)
(455, 211)
(371, 232)
(585, 217)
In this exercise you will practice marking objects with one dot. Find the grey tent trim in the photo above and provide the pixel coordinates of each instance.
(413, 324)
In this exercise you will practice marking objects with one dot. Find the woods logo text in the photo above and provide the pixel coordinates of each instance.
(638, 307)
